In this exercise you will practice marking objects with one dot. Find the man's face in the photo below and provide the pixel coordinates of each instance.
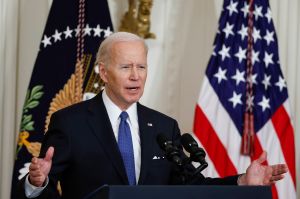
(126, 73)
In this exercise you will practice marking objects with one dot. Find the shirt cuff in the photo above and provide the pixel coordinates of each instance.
(32, 191)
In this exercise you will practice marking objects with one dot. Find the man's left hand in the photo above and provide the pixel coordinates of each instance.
(259, 174)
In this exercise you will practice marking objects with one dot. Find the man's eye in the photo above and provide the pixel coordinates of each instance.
(142, 66)
(125, 66)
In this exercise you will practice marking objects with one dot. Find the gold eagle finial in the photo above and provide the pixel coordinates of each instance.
(138, 21)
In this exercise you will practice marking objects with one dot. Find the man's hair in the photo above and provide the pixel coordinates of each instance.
(104, 51)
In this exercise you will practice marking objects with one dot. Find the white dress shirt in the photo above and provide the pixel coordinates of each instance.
(114, 112)
(114, 116)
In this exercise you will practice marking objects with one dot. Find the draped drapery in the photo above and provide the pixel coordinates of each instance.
(8, 90)
(177, 60)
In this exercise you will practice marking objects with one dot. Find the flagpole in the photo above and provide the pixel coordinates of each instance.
(248, 131)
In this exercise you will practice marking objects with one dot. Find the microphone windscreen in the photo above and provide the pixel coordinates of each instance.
(162, 140)
(187, 142)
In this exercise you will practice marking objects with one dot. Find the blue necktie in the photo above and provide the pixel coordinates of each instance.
(126, 148)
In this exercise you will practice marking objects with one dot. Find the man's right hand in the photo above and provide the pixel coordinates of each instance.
(40, 168)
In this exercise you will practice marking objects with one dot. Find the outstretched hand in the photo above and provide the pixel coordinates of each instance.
(259, 174)
(40, 168)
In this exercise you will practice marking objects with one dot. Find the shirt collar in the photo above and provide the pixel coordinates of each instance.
(114, 111)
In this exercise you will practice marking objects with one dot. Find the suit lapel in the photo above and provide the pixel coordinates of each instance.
(100, 123)
(146, 127)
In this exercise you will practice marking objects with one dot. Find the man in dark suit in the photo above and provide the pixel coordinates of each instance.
(111, 139)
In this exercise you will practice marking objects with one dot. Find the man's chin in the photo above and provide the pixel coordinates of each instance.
(133, 98)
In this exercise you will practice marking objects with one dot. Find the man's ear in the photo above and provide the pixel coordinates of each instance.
(102, 72)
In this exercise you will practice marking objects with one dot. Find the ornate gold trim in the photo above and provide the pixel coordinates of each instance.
(138, 21)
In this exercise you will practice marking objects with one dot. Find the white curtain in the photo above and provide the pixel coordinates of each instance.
(286, 15)
(8, 90)
(177, 60)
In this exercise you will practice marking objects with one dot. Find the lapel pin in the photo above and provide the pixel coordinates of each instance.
(149, 124)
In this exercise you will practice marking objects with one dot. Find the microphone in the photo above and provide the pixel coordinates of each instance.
(197, 154)
(172, 152)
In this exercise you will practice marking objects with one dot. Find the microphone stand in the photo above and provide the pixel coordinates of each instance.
(187, 173)
(197, 172)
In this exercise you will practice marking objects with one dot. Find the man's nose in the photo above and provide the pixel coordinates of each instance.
(134, 75)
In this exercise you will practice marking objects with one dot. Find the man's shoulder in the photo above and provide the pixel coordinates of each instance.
(146, 111)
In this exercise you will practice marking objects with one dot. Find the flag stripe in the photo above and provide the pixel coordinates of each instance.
(222, 161)
(274, 192)
(223, 126)
(257, 152)
(269, 141)
(210, 171)
(285, 133)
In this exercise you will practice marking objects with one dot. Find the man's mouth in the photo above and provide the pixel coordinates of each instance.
(132, 88)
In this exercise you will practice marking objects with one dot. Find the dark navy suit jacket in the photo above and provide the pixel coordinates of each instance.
(87, 156)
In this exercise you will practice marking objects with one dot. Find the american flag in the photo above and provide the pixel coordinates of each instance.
(220, 110)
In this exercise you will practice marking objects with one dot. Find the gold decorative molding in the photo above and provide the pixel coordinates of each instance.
(138, 21)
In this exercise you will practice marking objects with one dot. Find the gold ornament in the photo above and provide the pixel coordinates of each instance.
(138, 21)
(32, 147)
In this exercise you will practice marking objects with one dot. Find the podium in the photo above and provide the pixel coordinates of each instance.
(181, 192)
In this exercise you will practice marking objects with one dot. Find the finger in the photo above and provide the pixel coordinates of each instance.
(34, 166)
(279, 169)
(276, 178)
(35, 171)
(35, 174)
(279, 166)
(49, 154)
(262, 157)
(36, 181)
(34, 160)
(279, 172)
